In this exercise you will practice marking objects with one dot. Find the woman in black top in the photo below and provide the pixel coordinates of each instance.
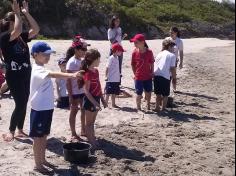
(15, 51)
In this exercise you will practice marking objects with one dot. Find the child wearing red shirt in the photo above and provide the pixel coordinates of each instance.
(143, 66)
(93, 92)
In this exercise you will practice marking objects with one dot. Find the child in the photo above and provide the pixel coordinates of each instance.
(113, 74)
(63, 98)
(165, 66)
(142, 65)
(3, 83)
(42, 102)
(76, 95)
(93, 92)
(178, 50)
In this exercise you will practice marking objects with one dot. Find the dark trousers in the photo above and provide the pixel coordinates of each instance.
(19, 85)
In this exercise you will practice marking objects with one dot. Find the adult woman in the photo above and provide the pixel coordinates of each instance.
(179, 49)
(16, 56)
(115, 35)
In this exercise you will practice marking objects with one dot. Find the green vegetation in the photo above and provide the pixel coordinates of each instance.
(136, 15)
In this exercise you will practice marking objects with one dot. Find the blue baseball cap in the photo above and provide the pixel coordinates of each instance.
(42, 47)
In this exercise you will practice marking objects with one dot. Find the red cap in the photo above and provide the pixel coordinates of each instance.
(138, 37)
(117, 47)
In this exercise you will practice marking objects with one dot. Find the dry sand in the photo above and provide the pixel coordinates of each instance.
(196, 138)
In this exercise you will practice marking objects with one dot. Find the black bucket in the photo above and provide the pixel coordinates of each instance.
(77, 152)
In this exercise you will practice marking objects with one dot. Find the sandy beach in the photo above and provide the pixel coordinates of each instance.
(194, 138)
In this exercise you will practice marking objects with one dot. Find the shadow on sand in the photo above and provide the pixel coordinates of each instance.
(113, 150)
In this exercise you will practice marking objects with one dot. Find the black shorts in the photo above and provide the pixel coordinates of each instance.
(40, 123)
(63, 102)
(88, 105)
(112, 88)
(161, 86)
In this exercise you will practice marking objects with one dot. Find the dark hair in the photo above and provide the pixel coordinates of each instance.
(90, 56)
(112, 22)
(69, 53)
(5, 22)
(176, 30)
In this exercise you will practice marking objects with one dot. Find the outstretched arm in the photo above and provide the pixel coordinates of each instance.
(34, 28)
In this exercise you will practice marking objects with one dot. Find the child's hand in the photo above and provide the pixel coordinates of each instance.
(78, 74)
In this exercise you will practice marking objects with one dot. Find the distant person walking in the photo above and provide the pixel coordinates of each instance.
(178, 50)
(115, 36)
(16, 56)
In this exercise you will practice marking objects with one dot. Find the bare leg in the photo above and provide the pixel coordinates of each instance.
(89, 127)
(73, 112)
(3, 88)
(113, 100)
(107, 98)
(138, 101)
(38, 154)
(43, 158)
(158, 103)
(82, 118)
(148, 96)
(165, 100)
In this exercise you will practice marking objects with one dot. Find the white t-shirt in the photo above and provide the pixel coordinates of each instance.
(113, 69)
(73, 65)
(115, 34)
(164, 61)
(61, 83)
(179, 46)
(41, 89)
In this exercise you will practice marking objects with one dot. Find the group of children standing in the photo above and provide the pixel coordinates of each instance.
(78, 83)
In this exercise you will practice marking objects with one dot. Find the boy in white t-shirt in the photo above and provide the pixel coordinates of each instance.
(164, 68)
(42, 102)
(113, 74)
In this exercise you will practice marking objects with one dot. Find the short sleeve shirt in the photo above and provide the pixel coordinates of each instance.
(113, 69)
(115, 34)
(95, 85)
(73, 65)
(143, 62)
(16, 53)
(165, 60)
(41, 89)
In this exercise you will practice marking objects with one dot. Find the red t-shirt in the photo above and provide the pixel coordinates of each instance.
(95, 85)
(143, 63)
